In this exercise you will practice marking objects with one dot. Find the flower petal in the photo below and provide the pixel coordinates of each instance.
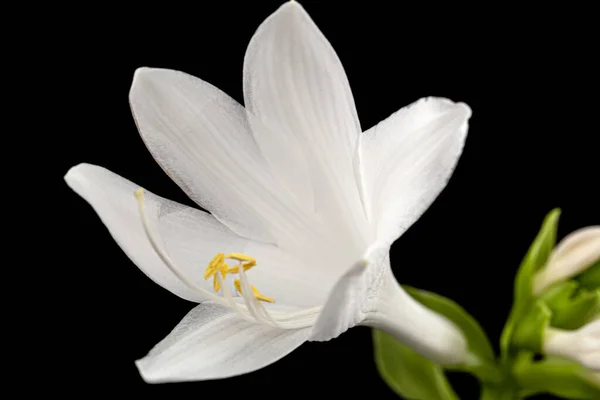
(581, 345)
(406, 160)
(296, 85)
(573, 255)
(370, 295)
(345, 306)
(212, 342)
(190, 237)
(352, 297)
(202, 138)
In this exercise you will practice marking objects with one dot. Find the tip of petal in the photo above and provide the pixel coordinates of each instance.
(142, 72)
(291, 3)
(444, 104)
(464, 107)
(147, 374)
(290, 7)
(74, 174)
(141, 75)
(79, 178)
(151, 373)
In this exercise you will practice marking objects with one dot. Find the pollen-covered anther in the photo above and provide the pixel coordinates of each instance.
(257, 294)
(245, 265)
(214, 265)
(218, 266)
(223, 270)
(239, 257)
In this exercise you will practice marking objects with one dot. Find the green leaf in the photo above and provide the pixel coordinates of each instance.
(590, 278)
(536, 257)
(407, 373)
(485, 367)
(558, 377)
(572, 306)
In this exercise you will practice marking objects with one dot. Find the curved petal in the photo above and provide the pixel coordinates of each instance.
(572, 256)
(212, 342)
(577, 251)
(581, 345)
(350, 298)
(406, 160)
(296, 85)
(370, 295)
(190, 237)
(202, 138)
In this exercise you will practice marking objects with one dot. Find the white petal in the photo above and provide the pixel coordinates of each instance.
(581, 345)
(190, 237)
(591, 360)
(277, 274)
(345, 306)
(573, 255)
(212, 342)
(202, 139)
(407, 159)
(296, 85)
(370, 295)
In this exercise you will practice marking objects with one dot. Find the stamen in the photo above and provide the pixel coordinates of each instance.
(249, 300)
(239, 257)
(217, 283)
(214, 265)
(245, 265)
(218, 266)
(257, 294)
(223, 271)
(139, 195)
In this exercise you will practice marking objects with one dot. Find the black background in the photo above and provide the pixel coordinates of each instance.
(528, 75)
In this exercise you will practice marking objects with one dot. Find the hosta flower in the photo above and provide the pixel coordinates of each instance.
(573, 255)
(303, 206)
(581, 345)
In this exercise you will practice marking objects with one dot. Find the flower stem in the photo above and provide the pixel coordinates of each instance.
(500, 392)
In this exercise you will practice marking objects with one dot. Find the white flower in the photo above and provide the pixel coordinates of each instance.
(310, 202)
(581, 345)
(573, 255)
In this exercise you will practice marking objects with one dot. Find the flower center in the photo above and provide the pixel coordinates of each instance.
(253, 309)
(219, 269)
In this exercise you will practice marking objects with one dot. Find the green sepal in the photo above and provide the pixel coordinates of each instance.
(529, 332)
(407, 373)
(536, 258)
(558, 377)
(483, 364)
(590, 278)
(572, 306)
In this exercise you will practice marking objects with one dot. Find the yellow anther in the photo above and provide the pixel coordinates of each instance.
(246, 265)
(224, 270)
(218, 266)
(239, 257)
(214, 265)
(257, 294)
(217, 282)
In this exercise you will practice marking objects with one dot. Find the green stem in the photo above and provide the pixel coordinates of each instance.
(502, 392)
(505, 390)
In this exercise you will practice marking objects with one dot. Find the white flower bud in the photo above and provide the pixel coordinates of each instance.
(576, 252)
(581, 345)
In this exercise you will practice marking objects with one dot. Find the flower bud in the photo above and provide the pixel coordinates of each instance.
(581, 345)
(573, 255)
